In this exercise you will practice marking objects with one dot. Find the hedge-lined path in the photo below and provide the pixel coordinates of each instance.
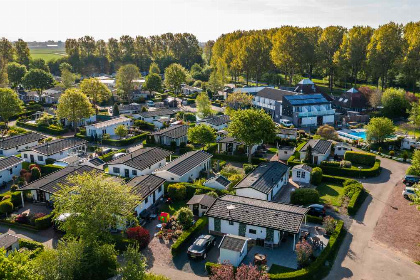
(360, 255)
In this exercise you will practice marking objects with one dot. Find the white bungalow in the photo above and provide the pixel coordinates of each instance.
(285, 152)
(176, 133)
(321, 150)
(199, 203)
(12, 145)
(408, 143)
(107, 127)
(301, 173)
(229, 145)
(341, 148)
(9, 167)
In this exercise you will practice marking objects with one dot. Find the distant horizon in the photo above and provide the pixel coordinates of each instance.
(58, 20)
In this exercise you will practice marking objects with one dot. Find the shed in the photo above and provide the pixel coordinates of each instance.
(301, 173)
(199, 203)
(218, 182)
(233, 249)
(9, 242)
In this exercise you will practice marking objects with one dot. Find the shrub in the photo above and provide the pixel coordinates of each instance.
(6, 207)
(304, 196)
(213, 194)
(316, 176)
(47, 169)
(140, 234)
(144, 125)
(177, 192)
(36, 216)
(351, 189)
(14, 187)
(173, 145)
(22, 219)
(248, 167)
(360, 158)
(49, 161)
(185, 217)
(177, 247)
(329, 224)
(44, 222)
(35, 173)
(29, 244)
(392, 153)
(303, 253)
(356, 201)
(16, 198)
(330, 163)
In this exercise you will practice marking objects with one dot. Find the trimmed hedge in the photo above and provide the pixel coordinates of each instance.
(49, 168)
(187, 235)
(243, 159)
(374, 171)
(356, 201)
(314, 219)
(317, 269)
(330, 163)
(45, 129)
(44, 222)
(30, 244)
(18, 225)
(333, 179)
(304, 196)
(108, 157)
(360, 158)
(120, 142)
(16, 199)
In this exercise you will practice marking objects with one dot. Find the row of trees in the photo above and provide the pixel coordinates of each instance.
(389, 54)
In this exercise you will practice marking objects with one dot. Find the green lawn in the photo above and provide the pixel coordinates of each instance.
(274, 269)
(47, 53)
(175, 206)
(330, 194)
(272, 150)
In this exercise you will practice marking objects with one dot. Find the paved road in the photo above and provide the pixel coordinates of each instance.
(47, 237)
(360, 256)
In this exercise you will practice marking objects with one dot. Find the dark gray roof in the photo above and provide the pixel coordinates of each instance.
(144, 185)
(58, 145)
(19, 140)
(52, 182)
(233, 242)
(186, 162)
(157, 113)
(222, 180)
(258, 212)
(143, 158)
(176, 131)
(229, 140)
(318, 145)
(274, 94)
(7, 240)
(8, 162)
(97, 161)
(306, 99)
(217, 120)
(303, 166)
(264, 177)
(202, 199)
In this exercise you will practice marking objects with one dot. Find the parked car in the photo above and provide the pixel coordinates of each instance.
(408, 192)
(201, 246)
(150, 103)
(410, 180)
(285, 122)
(317, 210)
(59, 220)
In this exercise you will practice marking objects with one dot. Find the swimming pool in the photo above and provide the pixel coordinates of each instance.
(359, 133)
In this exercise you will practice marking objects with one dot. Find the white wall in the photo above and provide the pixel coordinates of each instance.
(249, 192)
(232, 257)
(305, 180)
(143, 205)
(214, 185)
(122, 168)
(63, 154)
(14, 151)
(341, 150)
(110, 129)
(193, 174)
(328, 119)
(7, 176)
(285, 154)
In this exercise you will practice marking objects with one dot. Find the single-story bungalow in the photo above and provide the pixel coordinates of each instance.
(233, 249)
(186, 168)
(301, 173)
(321, 150)
(55, 149)
(218, 182)
(9, 167)
(217, 122)
(12, 145)
(140, 162)
(265, 181)
(176, 133)
(229, 145)
(199, 203)
(408, 143)
(107, 127)
(287, 133)
(341, 148)
(157, 117)
(187, 90)
(285, 152)
(253, 218)
(9, 242)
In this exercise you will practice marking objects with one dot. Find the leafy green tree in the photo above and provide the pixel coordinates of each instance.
(65, 66)
(74, 105)
(126, 80)
(15, 73)
(201, 134)
(175, 75)
(239, 100)
(411, 52)
(39, 63)
(16, 265)
(10, 104)
(68, 78)
(251, 127)
(115, 110)
(196, 72)
(23, 54)
(100, 201)
(327, 132)
(378, 129)
(308, 155)
(121, 131)
(153, 83)
(95, 90)
(316, 176)
(6, 55)
(384, 51)
(134, 267)
(414, 116)
(154, 68)
(394, 103)
(203, 105)
(38, 80)
(217, 76)
(185, 217)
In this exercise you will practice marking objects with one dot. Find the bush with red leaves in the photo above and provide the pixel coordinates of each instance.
(140, 234)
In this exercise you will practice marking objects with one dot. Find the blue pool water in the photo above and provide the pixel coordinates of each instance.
(361, 134)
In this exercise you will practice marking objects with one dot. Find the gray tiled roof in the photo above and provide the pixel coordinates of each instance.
(217, 120)
(222, 180)
(174, 132)
(186, 162)
(257, 212)
(145, 185)
(303, 166)
(229, 140)
(19, 140)
(51, 183)
(202, 199)
(97, 161)
(157, 113)
(58, 145)
(274, 94)
(233, 242)
(8, 162)
(264, 177)
(112, 121)
(143, 158)
(318, 145)
(7, 240)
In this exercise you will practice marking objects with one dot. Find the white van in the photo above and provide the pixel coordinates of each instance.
(285, 122)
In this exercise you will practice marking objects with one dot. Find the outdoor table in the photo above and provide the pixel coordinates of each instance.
(159, 227)
(260, 259)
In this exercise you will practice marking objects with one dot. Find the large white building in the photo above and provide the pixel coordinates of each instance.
(56, 149)
(106, 127)
(186, 168)
(265, 181)
(13, 145)
(271, 99)
(140, 162)
(9, 167)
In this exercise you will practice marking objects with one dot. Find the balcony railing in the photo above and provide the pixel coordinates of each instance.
(317, 113)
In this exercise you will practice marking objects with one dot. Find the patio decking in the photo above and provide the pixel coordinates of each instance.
(34, 208)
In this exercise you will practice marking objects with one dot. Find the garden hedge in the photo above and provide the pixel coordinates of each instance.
(108, 157)
(16, 199)
(117, 142)
(44, 222)
(121, 242)
(30, 244)
(360, 158)
(49, 168)
(317, 269)
(304, 196)
(18, 225)
(333, 179)
(356, 201)
(40, 128)
(177, 247)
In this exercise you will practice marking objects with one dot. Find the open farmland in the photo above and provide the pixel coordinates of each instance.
(47, 53)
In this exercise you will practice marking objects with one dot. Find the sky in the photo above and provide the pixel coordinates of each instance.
(41, 20)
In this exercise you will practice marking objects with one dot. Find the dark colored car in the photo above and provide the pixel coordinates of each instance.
(317, 210)
(201, 246)
(410, 180)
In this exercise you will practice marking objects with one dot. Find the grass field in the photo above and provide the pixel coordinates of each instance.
(330, 194)
(47, 53)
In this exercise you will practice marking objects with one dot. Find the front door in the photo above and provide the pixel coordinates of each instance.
(154, 197)
(315, 159)
(40, 195)
(32, 158)
(127, 173)
(195, 209)
(319, 120)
